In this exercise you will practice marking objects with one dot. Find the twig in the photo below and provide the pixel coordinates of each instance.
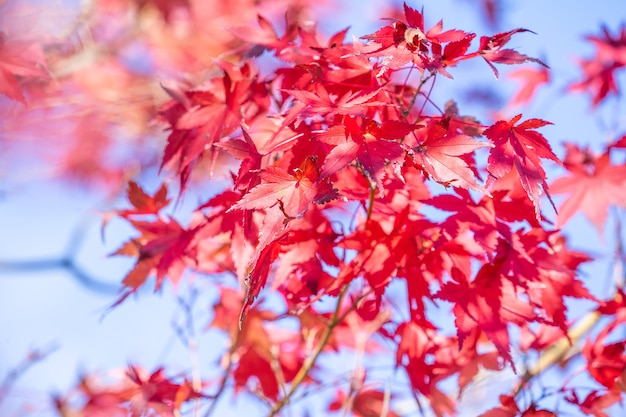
(225, 374)
(560, 350)
(65, 263)
(311, 360)
(33, 357)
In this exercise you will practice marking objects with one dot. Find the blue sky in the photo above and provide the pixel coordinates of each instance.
(37, 218)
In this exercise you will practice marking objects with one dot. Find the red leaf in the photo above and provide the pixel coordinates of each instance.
(439, 155)
(488, 303)
(520, 147)
(593, 184)
(599, 71)
(323, 102)
(531, 79)
(491, 50)
(144, 203)
(293, 193)
(366, 141)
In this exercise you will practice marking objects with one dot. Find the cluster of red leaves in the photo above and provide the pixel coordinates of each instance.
(331, 127)
(135, 394)
(331, 158)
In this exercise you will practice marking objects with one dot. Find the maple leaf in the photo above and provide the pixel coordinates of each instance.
(509, 408)
(158, 393)
(324, 102)
(417, 343)
(405, 42)
(532, 79)
(452, 53)
(217, 109)
(606, 362)
(491, 50)
(363, 139)
(254, 148)
(287, 197)
(593, 184)
(489, 303)
(366, 403)
(600, 70)
(520, 147)
(374, 258)
(595, 402)
(99, 400)
(439, 155)
(548, 275)
(309, 242)
(265, 37)
(479, 217)
(144, 203)
(164, 247)
(293, 193)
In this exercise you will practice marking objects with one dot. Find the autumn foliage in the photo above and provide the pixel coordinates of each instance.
(348, 211)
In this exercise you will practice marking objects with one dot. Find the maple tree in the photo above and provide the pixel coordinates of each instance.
(349, 210)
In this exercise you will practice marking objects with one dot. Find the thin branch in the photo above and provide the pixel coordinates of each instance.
(65, 263)
(311, 360)
(33, 357)
(225, 375)
(559, 350)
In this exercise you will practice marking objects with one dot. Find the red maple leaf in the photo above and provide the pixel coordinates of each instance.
(593, 184)
(252, 150)
(509, 408)
(374, 258)
(405, 42)
(293, 193)
(599, 71)
(373, 145)
(489, 303)
(491, 50)
(606, 362)
(366, 403)
(164, 247)
(520, 147)
(265, 37)
(158, 393)
(532, 78)
(440, 155)
(321, 101)
(479, 217)
(217, 109)
(285, 197)
(595, 402)
(416, 346)
(144, 203)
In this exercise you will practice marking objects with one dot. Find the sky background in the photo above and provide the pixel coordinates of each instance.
(50, 308)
